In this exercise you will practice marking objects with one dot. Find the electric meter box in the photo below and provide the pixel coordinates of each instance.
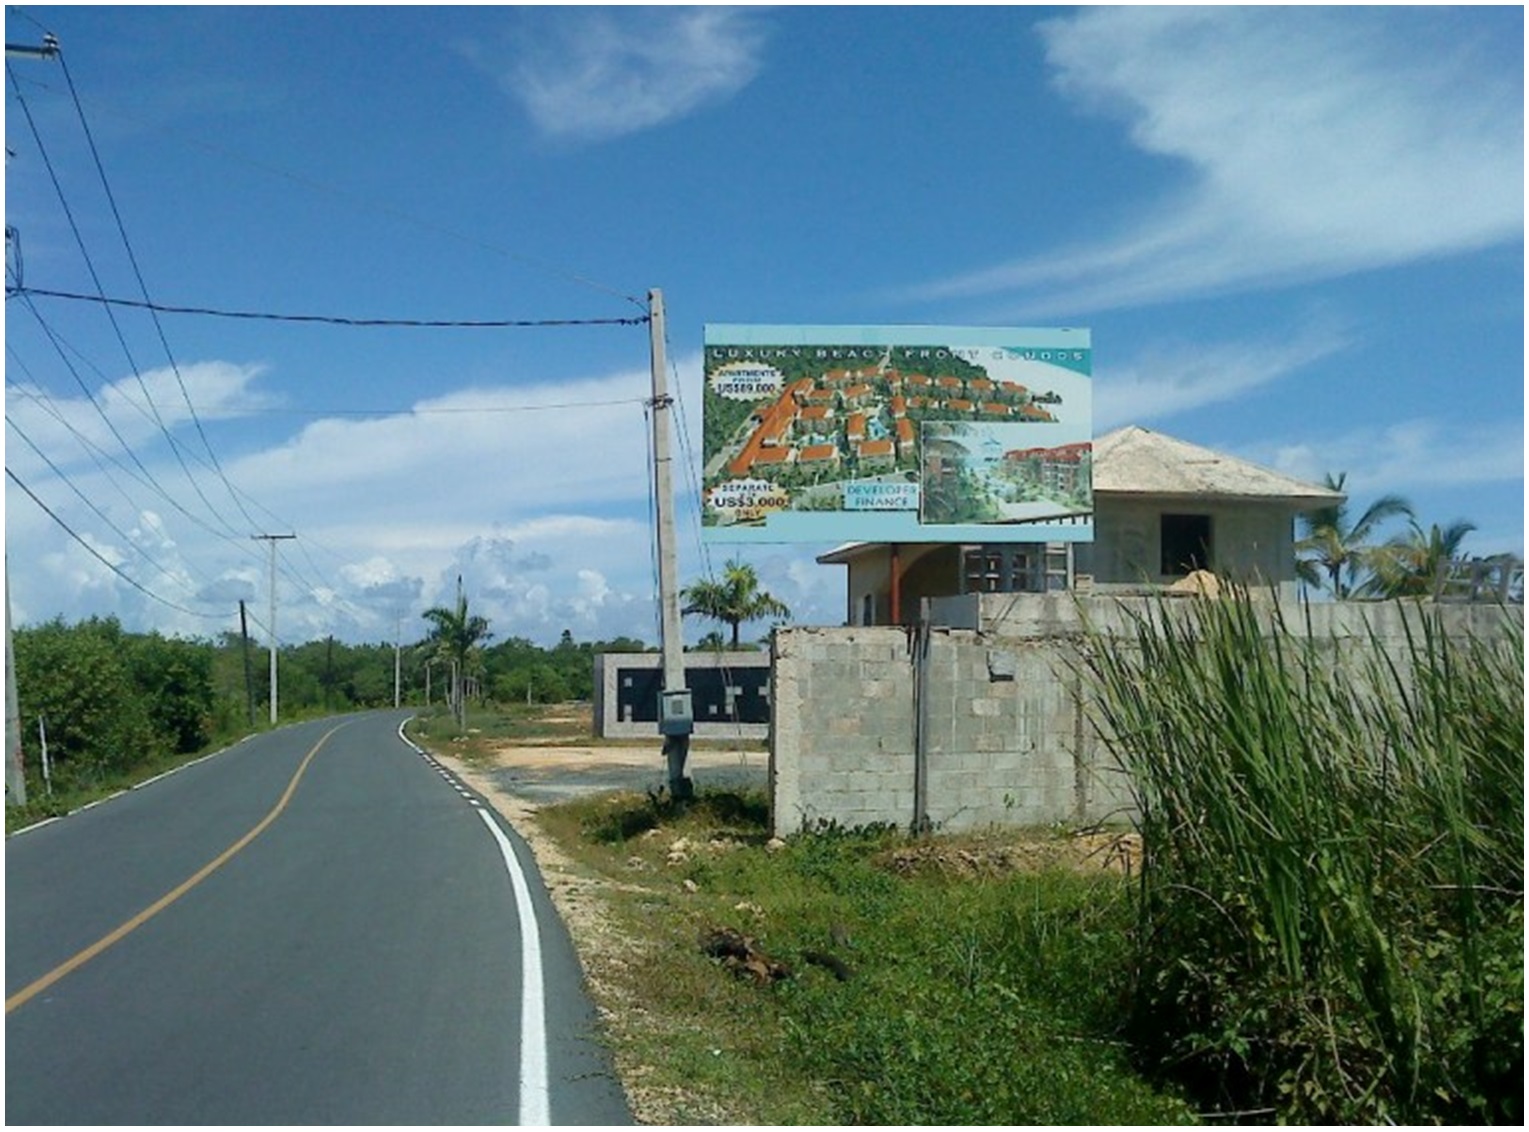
(675, 715)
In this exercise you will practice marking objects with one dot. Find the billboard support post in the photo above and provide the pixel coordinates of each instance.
(675, 719)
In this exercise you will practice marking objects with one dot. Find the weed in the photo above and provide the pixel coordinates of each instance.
(1333, 869)
(912, 999)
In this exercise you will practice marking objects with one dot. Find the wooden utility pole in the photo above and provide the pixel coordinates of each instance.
(249, 679)
(271, 628)
(675, 718)
(15, 774)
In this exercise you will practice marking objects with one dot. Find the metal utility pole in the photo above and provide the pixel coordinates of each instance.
(675, 716)
(271, 627)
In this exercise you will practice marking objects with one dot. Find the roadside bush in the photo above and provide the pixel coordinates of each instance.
(79, 681)
(174, 677)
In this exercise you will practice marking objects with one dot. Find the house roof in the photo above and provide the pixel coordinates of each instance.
(1135, 461)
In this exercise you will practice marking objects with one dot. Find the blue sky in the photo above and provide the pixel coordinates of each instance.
(1295, 234)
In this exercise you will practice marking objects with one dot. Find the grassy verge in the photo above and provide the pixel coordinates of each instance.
(852, 976)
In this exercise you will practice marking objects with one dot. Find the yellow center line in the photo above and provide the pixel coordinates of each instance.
(27, 993)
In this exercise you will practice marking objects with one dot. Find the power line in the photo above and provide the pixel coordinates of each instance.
(314, 185)
(475, 410)
(333, 320)
(95, 278)
(143, 287)
(57, 343)
(101, 559)
(85, 499)
(146, 478)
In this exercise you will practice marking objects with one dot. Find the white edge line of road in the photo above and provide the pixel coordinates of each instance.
(534, 1095)
(128, 790)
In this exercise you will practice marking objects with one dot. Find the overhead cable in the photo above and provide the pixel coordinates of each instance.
(143, 289)
(100, 558)
(334, 320)
(95, 278)
(90, 503)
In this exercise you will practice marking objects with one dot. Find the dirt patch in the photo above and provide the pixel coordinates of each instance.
(544, 775)
(1114, 852)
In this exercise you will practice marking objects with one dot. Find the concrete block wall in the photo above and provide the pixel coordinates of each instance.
(841, 734)
(1007, 741)
(1010, 737)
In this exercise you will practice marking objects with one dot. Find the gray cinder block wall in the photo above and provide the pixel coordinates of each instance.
(841, 729)
(1008, 737)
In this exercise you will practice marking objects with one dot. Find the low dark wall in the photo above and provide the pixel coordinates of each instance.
(730, 694)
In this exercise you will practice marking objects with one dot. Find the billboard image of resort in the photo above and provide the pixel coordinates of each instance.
(876, 433)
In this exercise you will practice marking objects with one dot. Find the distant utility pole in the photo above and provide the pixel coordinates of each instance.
(271, 628)
(675, 717)
(398, 662)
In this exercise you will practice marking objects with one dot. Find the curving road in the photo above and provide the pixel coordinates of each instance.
(317, 926)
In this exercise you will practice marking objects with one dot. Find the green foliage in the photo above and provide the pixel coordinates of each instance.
(1333, 872)
(174, 679)
(80, 681)
(1335, 552)
(455, 636)
(733, 599)
(1414, 564)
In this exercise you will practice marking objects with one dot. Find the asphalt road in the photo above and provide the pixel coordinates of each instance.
(318, 926)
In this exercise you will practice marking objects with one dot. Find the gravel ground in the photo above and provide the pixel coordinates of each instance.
(545, 775)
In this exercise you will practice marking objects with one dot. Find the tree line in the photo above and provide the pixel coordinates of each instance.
(107, 701)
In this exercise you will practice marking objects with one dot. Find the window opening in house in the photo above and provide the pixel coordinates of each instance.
(1015, 568)
(1186, 544)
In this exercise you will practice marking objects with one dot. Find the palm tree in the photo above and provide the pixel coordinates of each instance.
(1413, 565)
(733, 600)
(1332, 552)
(455, 638)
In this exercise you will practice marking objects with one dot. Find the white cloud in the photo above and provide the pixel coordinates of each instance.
(543, 513)
(1173, 378)
(1317, 143)
(517, 449)
(1421, 453)
(606, 73)
(218, 390)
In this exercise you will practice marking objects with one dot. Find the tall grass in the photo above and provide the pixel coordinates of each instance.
(1330, 913)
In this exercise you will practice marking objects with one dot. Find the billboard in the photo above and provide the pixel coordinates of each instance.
(897, 434)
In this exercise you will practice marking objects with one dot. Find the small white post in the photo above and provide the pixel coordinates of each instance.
(47, 768)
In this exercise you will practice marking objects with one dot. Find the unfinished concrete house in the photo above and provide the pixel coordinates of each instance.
(1163, 508)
